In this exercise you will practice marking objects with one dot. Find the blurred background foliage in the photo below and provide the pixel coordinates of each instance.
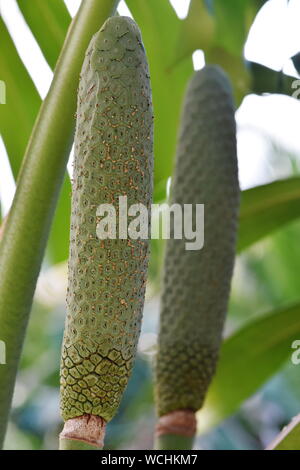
(257, 388)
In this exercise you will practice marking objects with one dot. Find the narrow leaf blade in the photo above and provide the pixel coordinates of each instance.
(17, 115)
(289, 438)
(266, 208)
(248, 359)
(49, 22)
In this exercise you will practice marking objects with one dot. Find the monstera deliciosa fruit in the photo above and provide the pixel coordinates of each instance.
(107, 277)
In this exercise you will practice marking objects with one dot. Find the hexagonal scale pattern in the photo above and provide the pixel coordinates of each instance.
(106, 284)
(197, 283)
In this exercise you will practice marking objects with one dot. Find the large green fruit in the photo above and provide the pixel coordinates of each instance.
(113, 157)
(197, 283)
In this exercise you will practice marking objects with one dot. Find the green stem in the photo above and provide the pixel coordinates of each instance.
(41, 176)
(74, 444)
(173, 442)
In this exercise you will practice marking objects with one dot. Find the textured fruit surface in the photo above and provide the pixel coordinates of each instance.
(113, 157)
(197, 283)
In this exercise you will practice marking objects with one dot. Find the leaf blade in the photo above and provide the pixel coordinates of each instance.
(49, 22)
(22, 106)
(22, 101)
(289, 438)
(262, 345)
(266, 208)
(231, 25)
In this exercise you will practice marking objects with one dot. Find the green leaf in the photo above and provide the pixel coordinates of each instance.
(248, 359)
(197, 31)
(220, 28)
(289, 438)
(160, 28)
(233, 21)
(22, 101)
(267, 208)
(21, 109)
(217, 23)
(205, 29)
(231, 30)
(265, 80)
(296, 62)
(253, 7)
(234, 66)
(48, 21)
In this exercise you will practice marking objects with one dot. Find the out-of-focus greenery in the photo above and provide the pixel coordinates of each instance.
(256, 390)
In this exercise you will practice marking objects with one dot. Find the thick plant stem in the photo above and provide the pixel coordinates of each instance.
(85, 432)
(41, 176)
(176, 430)
(173, 442)
(74, 444)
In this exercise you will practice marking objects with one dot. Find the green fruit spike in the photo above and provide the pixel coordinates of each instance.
(107, 277)
(197, 283)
